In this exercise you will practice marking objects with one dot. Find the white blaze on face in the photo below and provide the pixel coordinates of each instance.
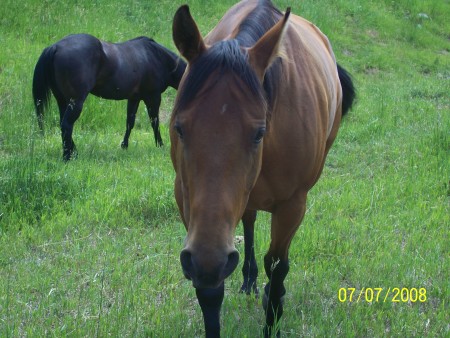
(224, 109)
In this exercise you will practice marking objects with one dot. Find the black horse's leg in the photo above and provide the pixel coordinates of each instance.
(62, 106)
(71, 114)
(210, 301)
(132, 107)
(285, 222)
(153, 103)
(249, 268)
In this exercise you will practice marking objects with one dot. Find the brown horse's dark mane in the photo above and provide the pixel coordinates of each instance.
(257, 23)
(229, 56)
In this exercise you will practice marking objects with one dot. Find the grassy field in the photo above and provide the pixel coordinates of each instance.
(91, 247)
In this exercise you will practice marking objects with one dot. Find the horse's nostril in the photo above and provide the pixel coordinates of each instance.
(233, 260)
(186, 263)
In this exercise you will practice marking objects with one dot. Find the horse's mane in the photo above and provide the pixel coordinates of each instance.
(228, 56)
(257, 23)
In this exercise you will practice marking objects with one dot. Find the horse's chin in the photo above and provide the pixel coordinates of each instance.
(186, 276)
(201, 285)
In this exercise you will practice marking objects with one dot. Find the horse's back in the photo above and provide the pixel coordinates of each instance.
(139, 56)
(227, 27)
(132, 69)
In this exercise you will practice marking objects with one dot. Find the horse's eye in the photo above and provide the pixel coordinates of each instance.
(259, 135)
(179, 131)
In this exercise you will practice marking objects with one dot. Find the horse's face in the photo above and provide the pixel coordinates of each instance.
(216, 136)
(217, 152)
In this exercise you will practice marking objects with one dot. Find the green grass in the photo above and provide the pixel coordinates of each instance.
(91, 247)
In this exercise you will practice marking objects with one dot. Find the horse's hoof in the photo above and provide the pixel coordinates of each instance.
(248, 289)
(67, 156)
(268, 332)
(124, 145)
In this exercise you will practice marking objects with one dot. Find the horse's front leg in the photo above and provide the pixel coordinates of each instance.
(249, 268)
(132, 107)
(285, 222)
(153, 103)
(210, 301)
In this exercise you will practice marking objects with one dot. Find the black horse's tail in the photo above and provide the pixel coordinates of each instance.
(348, 90)
(42, 79)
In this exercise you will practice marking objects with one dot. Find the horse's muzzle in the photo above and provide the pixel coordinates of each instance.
(205, 272)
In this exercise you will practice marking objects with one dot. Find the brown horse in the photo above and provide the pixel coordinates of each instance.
(256, 112)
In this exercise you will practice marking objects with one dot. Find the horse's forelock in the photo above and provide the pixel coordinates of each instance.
(223, 57)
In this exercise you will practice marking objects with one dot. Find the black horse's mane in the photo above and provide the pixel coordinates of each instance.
(228, 56)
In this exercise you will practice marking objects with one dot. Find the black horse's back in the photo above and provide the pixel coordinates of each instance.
(348, 89)
(157, 67)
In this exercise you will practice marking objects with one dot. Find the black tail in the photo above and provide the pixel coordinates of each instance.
(43, 75)
(348, 90)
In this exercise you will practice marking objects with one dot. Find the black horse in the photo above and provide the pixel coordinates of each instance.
(135, 70)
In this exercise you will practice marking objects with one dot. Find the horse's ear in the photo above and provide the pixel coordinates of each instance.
(267, 48)
(186, 35)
